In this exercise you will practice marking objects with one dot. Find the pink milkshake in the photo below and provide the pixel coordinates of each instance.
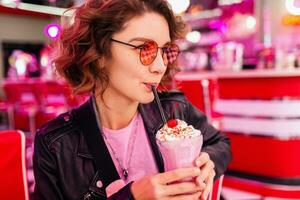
(180, 144)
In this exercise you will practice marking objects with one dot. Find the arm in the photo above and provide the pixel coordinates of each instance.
(215, 143)
(215, 153)
(45, 173)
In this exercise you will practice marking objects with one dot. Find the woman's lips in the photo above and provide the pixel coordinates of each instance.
(149, 85)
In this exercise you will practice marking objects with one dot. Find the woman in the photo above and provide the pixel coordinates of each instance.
(118, 50)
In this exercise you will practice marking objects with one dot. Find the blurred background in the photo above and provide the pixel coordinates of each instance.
(240, 65)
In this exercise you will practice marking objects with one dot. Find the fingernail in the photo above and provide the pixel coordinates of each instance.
(198, 162)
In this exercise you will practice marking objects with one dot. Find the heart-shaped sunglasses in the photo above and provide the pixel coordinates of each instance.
(148, 51)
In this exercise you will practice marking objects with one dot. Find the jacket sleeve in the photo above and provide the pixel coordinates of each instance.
(45, 172)
(215, 143)
(46, 178)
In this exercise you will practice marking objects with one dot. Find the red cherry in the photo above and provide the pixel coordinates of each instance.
(172, 123)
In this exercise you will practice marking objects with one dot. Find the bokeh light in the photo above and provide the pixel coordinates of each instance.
(250, 22)
(193, 36)
(179, 6)
(292, 7)
(52, 31)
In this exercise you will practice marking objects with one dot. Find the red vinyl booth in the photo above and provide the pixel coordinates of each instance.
(201, 93)
(12, 166)
(267, 155)
(264, 162)
(30, 103)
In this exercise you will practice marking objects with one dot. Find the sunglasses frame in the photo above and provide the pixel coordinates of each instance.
(140, 47)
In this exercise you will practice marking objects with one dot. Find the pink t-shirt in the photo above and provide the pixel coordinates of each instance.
(142, 161)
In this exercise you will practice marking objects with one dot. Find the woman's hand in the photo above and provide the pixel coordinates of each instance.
(206, 177)
(158, 186)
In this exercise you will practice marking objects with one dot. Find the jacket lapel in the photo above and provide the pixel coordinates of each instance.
(86, 119)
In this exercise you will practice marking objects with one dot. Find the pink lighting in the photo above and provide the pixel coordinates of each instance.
(293, 6)
(250, 22)
(240, 25)
(21, 64)
(193, 36)
(52, 31)
(179, 6)
(228, 2)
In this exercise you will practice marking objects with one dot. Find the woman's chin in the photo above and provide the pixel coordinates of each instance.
(146, 99)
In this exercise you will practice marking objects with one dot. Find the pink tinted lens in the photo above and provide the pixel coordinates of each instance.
(172, 52)
(148, 52)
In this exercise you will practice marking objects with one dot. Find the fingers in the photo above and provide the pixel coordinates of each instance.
(201, 184)
(206, 166)
(202, 159)
(177, 174)
(194, 196)
(207, 174)
(209, 185)
(205, 171)
(181, 188)
(155, 186)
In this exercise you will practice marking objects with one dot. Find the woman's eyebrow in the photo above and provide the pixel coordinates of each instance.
(139, 39)
(142, 39)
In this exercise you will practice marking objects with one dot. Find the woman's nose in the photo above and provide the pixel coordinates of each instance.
(159, 65)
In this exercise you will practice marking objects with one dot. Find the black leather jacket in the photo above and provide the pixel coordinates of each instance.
(64, 167)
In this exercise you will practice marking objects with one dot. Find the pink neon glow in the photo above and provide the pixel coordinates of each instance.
(293, 6)
(52, 31)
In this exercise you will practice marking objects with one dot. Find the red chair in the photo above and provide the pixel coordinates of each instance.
(13, 182)
(216, 190)
(7, 108)
(55, 97)
(20, 94)
(51, 94)
(53, 100)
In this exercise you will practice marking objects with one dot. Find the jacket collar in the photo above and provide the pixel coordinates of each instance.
(86, 118)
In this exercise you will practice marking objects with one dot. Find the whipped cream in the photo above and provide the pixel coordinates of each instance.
(176, 129)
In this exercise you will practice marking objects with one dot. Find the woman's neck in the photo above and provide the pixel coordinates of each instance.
(115, 113)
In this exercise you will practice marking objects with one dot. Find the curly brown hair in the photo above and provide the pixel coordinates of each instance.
(86, 40)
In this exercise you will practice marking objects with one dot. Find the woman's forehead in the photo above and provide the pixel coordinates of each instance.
(150, 25)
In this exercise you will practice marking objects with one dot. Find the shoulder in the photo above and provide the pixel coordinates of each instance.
(64, 127)
(173, 95)
(174, 99)
(55, 128)
(176, 103)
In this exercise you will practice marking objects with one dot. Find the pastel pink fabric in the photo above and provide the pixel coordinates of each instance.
(142, 161)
